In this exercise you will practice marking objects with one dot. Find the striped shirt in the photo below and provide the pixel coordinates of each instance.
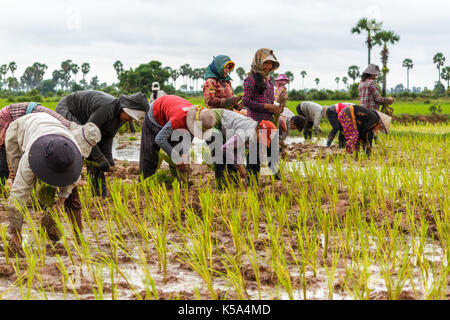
(369, 95)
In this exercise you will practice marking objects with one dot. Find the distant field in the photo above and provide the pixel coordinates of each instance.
(414, 107)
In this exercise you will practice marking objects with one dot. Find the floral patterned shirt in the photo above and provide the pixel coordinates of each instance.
(216, 91)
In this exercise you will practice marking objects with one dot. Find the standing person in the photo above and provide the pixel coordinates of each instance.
(38, 146)
(280, 95)
(332, 116)
(156, 92)
(359, 124)
(12, 112)
(217, 90)
(166, 115)
(259, 98)
(236, 130)
(313, 114)
(369, 94)
(109, 114)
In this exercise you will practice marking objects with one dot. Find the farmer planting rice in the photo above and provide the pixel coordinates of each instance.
(38, 146)
(280, 96)
(369, 95)
(109, 114)
(259, 99)
(12, 112)
(289, 121)
(359, 124)
(169, 116)
(217, 90)
(313, 114)
(332, 116)
(229, 136)
(156, 92)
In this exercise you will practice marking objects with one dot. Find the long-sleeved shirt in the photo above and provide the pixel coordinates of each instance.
(313, 113)
(236, 129)
(103, 110)
(14, 111)
(215, 92)
(20, 136)
(369, 95)
(255, 101)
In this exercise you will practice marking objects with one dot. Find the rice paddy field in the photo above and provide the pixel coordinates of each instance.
(334, 227)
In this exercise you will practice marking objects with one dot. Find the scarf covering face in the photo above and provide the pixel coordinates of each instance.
(261, 56)
(215, 69)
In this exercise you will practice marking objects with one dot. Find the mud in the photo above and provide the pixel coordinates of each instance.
(181, 281)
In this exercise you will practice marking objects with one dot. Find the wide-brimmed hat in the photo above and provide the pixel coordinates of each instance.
(199, 120)
(282, 77)
(266, 128)
(385, 122)
(135, 114)
(86, 136)
(372, 69)
(56, 160)
(155, 86)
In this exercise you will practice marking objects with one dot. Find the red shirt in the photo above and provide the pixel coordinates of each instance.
(171, 108)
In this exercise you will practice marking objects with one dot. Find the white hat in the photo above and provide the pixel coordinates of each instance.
(86, 136)
(135, 114)
(155, 86)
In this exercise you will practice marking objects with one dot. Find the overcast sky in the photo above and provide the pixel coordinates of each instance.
(305, 35)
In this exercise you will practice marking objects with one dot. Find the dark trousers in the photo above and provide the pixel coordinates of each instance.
(307, 131)
(253, 169)
(335, 127)
(4, 170)
(149, 153)
(219, 161)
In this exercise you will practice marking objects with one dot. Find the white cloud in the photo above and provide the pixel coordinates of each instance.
(305, 35)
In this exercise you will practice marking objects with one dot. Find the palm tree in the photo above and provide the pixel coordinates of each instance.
(12, 67)
(337, 79)
(66, 67)
(439, 60)
(118, 66)
(174, 73)
(383, 38)
(353, 72)
(3, 72)
(241, 73)
(303, 74)
(446, 75)
(317, 80)
(13, 83)
(408, 64)
(85, 68)
(184, 72)
(75, 69)
(369, 26)
(290, 76)
(345, 80)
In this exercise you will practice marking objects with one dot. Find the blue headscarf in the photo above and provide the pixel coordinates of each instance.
(215, 69)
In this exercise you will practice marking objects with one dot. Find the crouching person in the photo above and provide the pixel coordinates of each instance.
(38, 146)
(313, 113)
(332, 116)
(168, 114)
(359, 125)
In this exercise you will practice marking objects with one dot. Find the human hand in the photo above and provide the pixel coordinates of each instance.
(273, 108)
(283, 125)
(103, 165)
(391, 100)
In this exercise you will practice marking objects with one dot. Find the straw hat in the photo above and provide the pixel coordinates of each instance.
(199, 120)
(56, 160)
(135, 114)
(385, 122)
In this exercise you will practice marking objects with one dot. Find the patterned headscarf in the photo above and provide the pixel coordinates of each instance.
(261, 56)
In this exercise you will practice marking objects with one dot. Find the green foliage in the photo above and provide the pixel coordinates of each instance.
(435, 109)
(142, 77)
